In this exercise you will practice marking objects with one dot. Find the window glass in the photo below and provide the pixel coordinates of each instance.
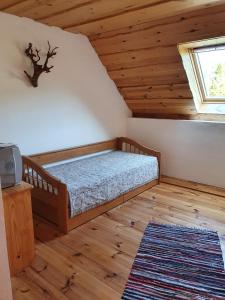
(210, 62)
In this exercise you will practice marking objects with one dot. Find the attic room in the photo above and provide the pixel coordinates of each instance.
(112, 149)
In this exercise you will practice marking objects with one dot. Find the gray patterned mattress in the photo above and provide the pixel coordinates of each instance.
(95, 180)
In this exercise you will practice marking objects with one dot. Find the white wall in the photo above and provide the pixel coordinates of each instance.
(75, 104)
(190, 150)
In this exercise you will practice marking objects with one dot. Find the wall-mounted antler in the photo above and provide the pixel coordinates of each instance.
(35, 58)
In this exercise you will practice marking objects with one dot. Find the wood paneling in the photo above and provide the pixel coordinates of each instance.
(73, 13)
(144, 62)
(140, 58)
(94, 260)
(38, 9)
(6, 4)
(137, 42)
(153, 11)
(172, 91)
(163, 33)
(5, 282)
(19, 226)
(178, 116)
(149, 74)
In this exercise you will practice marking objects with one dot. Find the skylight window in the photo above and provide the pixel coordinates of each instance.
(210, 64)
(204, 63)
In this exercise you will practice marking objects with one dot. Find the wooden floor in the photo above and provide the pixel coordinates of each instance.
(94, 260)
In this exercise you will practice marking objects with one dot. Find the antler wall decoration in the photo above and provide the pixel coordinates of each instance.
(35, 58)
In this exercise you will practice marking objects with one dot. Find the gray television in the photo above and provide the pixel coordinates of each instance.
(10, 165)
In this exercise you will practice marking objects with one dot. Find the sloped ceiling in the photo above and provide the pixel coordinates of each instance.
(137, 42)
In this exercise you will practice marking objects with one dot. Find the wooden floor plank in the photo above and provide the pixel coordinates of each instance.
(114, 279)
(88, 285)
(94, 260)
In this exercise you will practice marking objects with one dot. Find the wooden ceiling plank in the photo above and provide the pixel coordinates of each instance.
(156, 12)
(213, 10)
(141, 103)
(171, 76)
(173, 91)
(160, 103)
(95, 11)
(183, 30)
(163, 106)
(149, 115)
(192, 116)
(166, 110)
(156, 80)
(37, 10)
(5, 4)
(141, 57)
(148, 70)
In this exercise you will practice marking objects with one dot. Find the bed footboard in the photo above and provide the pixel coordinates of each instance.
(49, 195)
(128, 145)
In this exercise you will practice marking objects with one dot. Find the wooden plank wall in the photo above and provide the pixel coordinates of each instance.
(144, 62)
(137, 42)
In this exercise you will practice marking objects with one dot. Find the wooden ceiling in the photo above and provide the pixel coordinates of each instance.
(137, 42)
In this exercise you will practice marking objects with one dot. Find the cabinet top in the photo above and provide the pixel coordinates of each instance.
(17, 188)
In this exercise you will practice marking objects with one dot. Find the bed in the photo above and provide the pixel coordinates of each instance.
(72, 186)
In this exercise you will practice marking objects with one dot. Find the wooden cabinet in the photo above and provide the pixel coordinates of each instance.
(5, 283)
(19, 226)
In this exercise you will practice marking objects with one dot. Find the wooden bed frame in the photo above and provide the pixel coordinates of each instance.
(49, 195)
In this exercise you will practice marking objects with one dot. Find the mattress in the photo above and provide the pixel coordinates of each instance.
(95, 180)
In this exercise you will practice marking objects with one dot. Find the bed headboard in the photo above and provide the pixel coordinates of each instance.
(63, 154)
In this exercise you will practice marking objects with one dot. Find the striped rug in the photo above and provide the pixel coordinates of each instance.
(176, 262)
